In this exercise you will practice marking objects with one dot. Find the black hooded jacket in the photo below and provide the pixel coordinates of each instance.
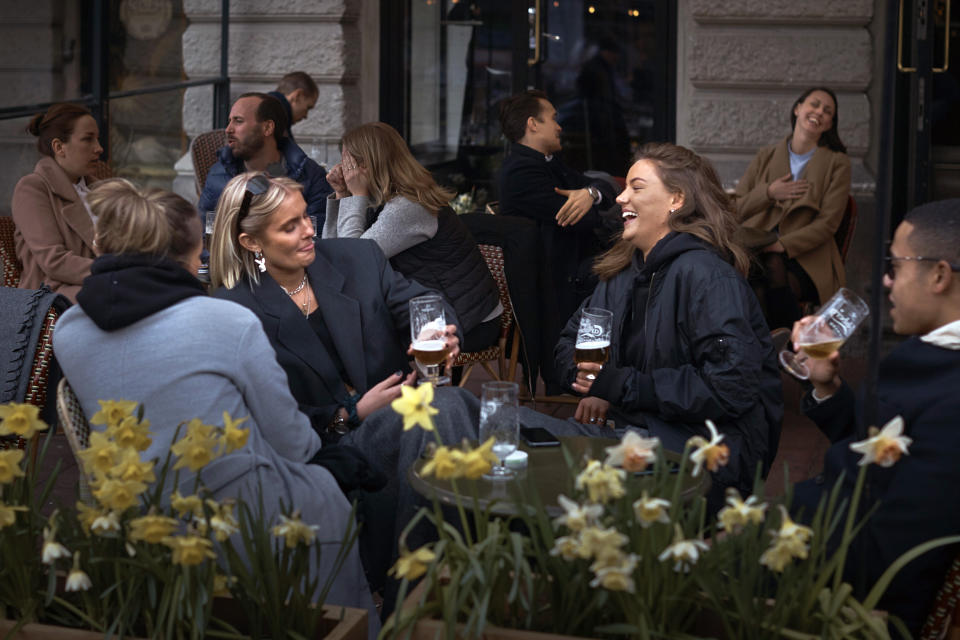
(689, 343)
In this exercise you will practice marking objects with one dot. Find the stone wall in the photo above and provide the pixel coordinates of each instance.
(742, 63)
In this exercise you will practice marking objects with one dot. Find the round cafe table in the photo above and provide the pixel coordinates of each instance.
(547, 474)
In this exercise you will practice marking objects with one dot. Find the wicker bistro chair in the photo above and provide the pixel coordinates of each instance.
(76, 429)
(8, 253)
(203, 151)
(507, 367)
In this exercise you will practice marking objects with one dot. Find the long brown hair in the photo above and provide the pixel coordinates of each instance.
(707, 211)
(392, 168)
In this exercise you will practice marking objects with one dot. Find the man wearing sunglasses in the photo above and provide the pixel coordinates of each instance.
(920, 382)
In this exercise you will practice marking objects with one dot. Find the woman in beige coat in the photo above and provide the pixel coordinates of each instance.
(54, 235)
(798, 188)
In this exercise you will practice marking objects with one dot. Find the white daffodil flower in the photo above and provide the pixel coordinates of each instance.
(634, 453)
(649, 510)
(577, 517)
(711, 454)
(685, 552)
(884, 447)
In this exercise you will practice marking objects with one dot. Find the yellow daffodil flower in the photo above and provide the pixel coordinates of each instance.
(577, 517)
(739, 513)
(189, 550)
(186, 505)
(130, 468)
(648, 510)
(101, 455)
(711, 454)
(198, 448)
(87, 515)
(152, 528)
(789, 542)
(777, 557)
(119, 495)
(567, 547)
(634, 453)
(295, 531)
(603, 483)
(884, 447)
(595, 542)
(478, 462)
(414, 406)
(685, 552)
(131, 433)
(112, 412)
(446, 463)
(105, 523)
(233, 436)
(8, 514)
(10, 465)
(412, 565)
(222, 521)
(20, 420)
(222, 584)
(77, 580)
(616, 576)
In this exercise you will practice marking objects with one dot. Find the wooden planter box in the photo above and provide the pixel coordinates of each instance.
(343, 623)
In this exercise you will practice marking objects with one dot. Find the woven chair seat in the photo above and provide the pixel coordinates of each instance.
(76, 429)
(204, 151)
(8, 253)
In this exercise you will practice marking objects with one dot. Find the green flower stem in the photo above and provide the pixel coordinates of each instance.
(847, 539)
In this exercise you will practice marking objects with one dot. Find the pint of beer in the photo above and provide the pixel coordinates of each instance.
(597, 351)
(428, 336)
(593, 336)
(430, 352)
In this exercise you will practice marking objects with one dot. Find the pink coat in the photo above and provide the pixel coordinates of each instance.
(54, 235)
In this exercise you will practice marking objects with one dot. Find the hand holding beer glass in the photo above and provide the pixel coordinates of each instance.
(832, 325)
(428, 335)
(593, 338)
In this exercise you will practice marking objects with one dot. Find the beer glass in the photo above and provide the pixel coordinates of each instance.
(500, 420)
(428, 335)
(832, 325)
(313, 222)
(593, 337)
(208, 223)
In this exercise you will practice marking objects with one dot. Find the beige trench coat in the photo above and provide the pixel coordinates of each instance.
(54, 235)
(806, 225)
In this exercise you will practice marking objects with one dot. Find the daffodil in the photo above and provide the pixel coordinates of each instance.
(105, 523)
(10, 465)
(603, 483)
(446, 463)
(633, 453)
(77, 580)
(222, 584)
(412, 565)
(595, 542)
(8, 514)
(414, 406)
(295, 531)
(478, 462)
(189, 550)
(131, 433)
(186, 505)
(52, 550)
(151, 528)
(119, 495)
(87, 514)
(649, 510)
(686, 552)
(233, 436)
(777, 557)
(790, 541)
(101, 454)
(711, 454)
(198, 448)
(20, 420)
(617, 577)
(222, 521)
(739, 513)
(113, 412)
(567, 547)
(131, 469)
(884, 447)
(577, 517)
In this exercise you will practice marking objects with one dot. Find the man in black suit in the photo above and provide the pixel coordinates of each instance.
(919, 381)
(565, 204)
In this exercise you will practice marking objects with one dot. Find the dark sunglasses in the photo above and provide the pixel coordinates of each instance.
(890, 273)
(257, 185)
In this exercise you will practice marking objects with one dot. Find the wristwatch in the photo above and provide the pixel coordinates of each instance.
(594, 193)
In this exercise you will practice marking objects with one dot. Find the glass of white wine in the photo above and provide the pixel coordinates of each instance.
(832, 325)
(500, 420)
(428, 334)
(593, 337)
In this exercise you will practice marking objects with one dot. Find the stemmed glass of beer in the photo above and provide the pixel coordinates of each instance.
(593, 337)
(832, 325)
(428, 334)
(500, 420)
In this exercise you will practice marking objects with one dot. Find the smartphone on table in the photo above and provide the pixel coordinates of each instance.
(538, 437)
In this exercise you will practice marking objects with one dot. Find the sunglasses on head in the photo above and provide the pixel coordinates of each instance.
(890, 260)
(257, 185)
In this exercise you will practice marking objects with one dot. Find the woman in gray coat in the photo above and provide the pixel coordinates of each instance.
(145, 331)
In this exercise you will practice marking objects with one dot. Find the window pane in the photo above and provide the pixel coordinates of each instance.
(146, 47)
(18, 152)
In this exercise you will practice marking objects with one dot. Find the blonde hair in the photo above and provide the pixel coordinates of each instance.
(149, 221)
(392, 168)
(230, 262)
(707, 211)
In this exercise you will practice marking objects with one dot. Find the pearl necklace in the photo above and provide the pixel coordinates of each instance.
(306, 299)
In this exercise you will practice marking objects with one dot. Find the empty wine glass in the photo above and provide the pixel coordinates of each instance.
(832, 325)
(500, 420)
(428, 334)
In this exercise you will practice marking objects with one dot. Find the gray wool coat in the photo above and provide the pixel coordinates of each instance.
(197, 359)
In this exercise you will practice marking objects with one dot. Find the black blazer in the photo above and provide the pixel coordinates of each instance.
(365, 304)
